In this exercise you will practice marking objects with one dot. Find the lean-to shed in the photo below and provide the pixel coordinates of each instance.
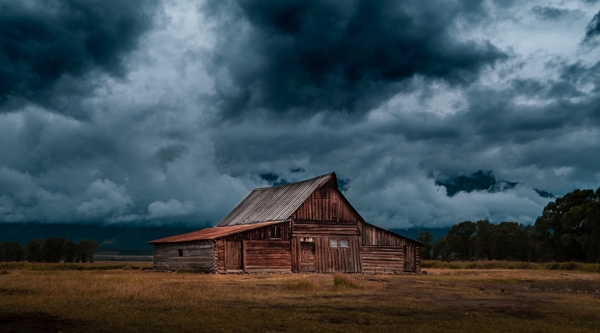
(302, 227)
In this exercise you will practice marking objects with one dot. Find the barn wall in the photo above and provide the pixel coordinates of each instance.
(383, 251)
(263, 233)
(326, 204)
(382, 259)
(198, 255)
(255, 250)
(263, 256)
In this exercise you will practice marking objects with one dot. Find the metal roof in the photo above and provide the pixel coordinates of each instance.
(210, 233)
(275, 203)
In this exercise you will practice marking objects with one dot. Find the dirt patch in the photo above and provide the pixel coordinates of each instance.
(33, 322)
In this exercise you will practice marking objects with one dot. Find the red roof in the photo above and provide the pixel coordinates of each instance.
(211, 233)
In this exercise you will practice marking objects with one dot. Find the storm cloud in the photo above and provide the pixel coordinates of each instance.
(165, 112)
(347, 56)
(45, 43)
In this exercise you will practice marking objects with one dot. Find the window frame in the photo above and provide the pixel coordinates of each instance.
(333, 243)
(275, 232)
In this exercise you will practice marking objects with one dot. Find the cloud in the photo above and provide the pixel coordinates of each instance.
(300, 58)
(105, 199)
(47, 48)
(201, 103)
(552, 13)
(159, 209)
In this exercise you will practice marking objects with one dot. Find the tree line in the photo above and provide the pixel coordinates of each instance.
(53, 249)
(567, 230)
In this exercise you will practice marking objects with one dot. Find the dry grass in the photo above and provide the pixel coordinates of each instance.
(343, 281)
(444, 300)
(498, 264)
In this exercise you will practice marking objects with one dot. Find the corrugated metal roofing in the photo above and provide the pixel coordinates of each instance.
(276, 203)
(210, 233)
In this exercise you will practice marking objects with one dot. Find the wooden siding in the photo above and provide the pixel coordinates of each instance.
(382, 259)
(262, 233)
(255, 251)
(326, 204)
(320, 229)
(373, 236)
(271, 256)
(197, 255)
(377, 243)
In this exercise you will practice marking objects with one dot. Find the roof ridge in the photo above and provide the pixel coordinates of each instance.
(294, 183)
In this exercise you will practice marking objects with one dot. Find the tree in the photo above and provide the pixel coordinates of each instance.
(53, 249)
(483, 245)
(558, 237)
(425, 238)
(33, 250)
(505, 239)
(440, 249)
(2, 252)
(461, 241)
(13, 251)
(581, 237)
(70, 251)
(86, 251)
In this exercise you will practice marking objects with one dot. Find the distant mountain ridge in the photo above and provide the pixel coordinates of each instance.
(117, 239)
(481, 181)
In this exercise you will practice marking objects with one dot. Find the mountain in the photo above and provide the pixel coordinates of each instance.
(481, 181)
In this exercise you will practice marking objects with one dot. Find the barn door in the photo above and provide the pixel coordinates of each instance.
(410, 258)
(233, 255)
(307, 257)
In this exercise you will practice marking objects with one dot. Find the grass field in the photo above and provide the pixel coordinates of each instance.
(106, 297)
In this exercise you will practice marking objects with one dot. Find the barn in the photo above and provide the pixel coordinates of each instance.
(303, 227)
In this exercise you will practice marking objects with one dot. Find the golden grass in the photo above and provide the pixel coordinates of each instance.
(444, 300)
(499, 264)
(343, 281)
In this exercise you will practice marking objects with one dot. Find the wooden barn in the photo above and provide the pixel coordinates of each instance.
(303, 227)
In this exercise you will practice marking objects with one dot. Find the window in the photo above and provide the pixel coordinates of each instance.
(333, 243)
(334, 210)
(276, 231)
(181, 253)
(344, 243)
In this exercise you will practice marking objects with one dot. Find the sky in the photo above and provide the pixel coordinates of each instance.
(165, 112)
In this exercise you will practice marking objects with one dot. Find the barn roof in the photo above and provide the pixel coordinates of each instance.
(210, 233)
(275, 203)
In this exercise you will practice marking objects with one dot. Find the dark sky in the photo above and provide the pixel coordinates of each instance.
(159, 112)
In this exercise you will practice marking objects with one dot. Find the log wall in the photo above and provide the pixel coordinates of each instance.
(385, 252)
(261, 256)
(255, 251)
(382, 259)
(198, 255)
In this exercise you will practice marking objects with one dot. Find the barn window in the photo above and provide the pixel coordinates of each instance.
(276, 231)
(333, 243)
(344, 243)
(334, 210)
(181, 253)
